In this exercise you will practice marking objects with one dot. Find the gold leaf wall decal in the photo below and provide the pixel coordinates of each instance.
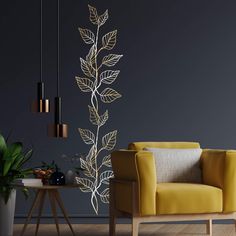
(95, 179)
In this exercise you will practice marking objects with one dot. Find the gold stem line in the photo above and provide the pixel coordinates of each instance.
(97, 133)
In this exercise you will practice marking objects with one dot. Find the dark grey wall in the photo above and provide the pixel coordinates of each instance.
(177, 76)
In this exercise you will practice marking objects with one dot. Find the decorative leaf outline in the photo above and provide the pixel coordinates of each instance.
(87, 68)
(106, 161)
(103, 118)
(83, 163)
(85, 84)
(93, 116)
(103, 18)
(95, 119)
(91, 157)
(104, 196)
(109, 140)
(111, 59)
(109, 76)
(87, 136)
(109, 95)
(92, 55)
(88, 169)
(87, 185)
(105, 176)
(109, 40)
(87, 35)
(93, 15)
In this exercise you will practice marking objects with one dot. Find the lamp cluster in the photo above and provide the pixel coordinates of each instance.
(42, 105)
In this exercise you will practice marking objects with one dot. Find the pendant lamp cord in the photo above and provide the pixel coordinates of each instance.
(41, 41)
(58, 48)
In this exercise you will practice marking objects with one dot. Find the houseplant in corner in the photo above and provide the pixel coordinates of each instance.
(12, 160)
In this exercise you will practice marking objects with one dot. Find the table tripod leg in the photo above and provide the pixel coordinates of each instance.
(60, 203)
(42, 197)
(36, 199)
(52, 199)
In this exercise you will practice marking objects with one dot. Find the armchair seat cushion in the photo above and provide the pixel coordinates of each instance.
(186, 198)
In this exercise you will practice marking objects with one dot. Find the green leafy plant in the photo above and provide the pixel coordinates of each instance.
(12, 160)
(97, 80)
(48, 166)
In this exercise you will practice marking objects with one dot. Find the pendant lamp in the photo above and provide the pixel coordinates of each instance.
(58, 129)
(41, 105)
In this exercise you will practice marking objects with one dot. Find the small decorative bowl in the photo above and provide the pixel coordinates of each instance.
(43, 174)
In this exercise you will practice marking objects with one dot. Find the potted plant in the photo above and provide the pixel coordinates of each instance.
(12, 160)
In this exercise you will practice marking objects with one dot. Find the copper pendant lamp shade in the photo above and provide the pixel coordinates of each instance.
(42, 104)
(58, 129)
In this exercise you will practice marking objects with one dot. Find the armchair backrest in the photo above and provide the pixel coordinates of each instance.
(138, 146)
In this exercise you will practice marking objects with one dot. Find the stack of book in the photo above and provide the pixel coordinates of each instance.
(28, 182)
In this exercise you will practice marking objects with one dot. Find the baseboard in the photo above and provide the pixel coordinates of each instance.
(100, 219)
(70, 215)
(74, 218)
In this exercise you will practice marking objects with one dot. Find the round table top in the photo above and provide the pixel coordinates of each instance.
(49, 186)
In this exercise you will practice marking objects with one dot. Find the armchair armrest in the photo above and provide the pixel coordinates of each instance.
(219, 170)
(138, 166)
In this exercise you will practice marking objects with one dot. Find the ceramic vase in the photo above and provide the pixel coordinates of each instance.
(7, 212)
(70, 177)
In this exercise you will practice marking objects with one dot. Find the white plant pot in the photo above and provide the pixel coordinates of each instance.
(70, 177)
(7, 212)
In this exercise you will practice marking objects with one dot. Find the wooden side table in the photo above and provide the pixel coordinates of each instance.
(54, 198)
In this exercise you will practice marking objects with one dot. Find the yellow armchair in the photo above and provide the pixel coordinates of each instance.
(135, 193)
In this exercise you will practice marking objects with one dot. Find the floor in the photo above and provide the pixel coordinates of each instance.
(124, 230)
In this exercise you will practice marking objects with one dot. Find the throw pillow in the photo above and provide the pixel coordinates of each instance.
(177, 165)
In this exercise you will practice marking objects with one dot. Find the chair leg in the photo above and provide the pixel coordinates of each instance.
(209, 227)
(112, 219)
(135, 226)
(112, 225)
